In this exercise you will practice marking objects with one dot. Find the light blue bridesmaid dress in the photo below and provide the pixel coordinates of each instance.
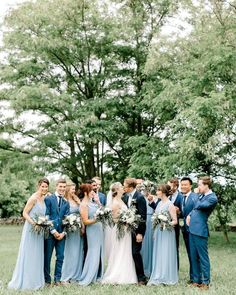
(94, 262)
(73, 253)
(28, 273)
(147, 244)
(164, 261)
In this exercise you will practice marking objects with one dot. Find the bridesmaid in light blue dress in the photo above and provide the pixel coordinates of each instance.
(28, 273)
(147, 244)
(73, 253)
(164, 262)
(94, 262)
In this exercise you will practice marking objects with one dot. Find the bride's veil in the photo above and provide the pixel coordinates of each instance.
(109, 199)
(109, 232)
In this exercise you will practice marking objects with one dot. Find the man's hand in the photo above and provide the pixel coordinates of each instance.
(56, 235)
(177, 210)
(139, 238)
(82, 231)
(150, 198)
(61, 236)
(188, 220)
(96, 198)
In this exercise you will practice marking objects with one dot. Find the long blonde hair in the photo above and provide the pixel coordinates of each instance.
(68, 196)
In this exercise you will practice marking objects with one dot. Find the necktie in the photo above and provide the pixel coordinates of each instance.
(184, 202)
(202, 196)
(59, 203)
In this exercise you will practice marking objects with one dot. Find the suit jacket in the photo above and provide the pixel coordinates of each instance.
(153, 204)
(199, 215)
(102, 198)
(56, 215)
(140, 204)
(191, 201)
(178, 201)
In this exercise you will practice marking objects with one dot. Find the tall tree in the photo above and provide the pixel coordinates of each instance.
(79, 67)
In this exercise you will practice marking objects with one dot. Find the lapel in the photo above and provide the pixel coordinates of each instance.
(184, 208)
(133, 199)
(125, 199)
(56, 203)
(201, 198)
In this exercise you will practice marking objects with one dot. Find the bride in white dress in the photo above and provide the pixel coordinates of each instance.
(120, 264)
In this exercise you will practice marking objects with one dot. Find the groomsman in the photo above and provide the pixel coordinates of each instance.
(176, 199)
(199, 232)
(135, 198)
(102, 196)
(188, 202)
(56, 208)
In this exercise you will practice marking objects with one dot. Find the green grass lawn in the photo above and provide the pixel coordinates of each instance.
(223, 269)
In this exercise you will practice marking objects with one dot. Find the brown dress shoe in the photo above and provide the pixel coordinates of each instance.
(194, 285)
(203, 286)
(57, 284)
(65, 283)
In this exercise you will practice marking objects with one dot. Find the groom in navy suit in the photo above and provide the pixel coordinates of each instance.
(136, 199)
(56, 208)
(188, 202)
(199, 232)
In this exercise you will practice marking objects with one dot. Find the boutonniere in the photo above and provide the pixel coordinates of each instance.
(181, 222)
(133, 201)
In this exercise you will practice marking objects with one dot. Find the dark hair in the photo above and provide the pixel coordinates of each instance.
(165, 189)
(187, 178)
(84, 188)
(175, 181)
(90, 181)
(60, 180)
(43, 180)
(206, 180)
(131, 182)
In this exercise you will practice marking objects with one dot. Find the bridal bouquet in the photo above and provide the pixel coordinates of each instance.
(128, 220)
(104, 215)
(163, 219)
(72, 223)
(42, 225)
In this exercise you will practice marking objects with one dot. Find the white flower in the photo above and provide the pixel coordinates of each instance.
(41, 219)
(130, 220)
(162, 217)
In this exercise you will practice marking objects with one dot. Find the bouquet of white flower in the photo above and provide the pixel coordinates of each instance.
(72, 223)
(104, 215)
(163, 219)
(42, 225)
(128, 220)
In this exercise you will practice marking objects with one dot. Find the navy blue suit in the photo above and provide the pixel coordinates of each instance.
(178, 203)
(56, 214)
(198, 237)
(139, 202)
(185, 210)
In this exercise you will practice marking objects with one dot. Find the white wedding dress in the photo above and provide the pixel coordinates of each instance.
(120, 263)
